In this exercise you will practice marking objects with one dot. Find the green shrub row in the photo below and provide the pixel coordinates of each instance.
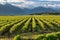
(49, 36)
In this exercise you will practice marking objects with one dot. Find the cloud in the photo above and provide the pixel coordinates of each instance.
(29, 3)
(52, 0)
(13, 0)
(16, 0)
(26, 4)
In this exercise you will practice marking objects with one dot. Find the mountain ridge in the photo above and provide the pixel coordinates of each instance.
(9, 9)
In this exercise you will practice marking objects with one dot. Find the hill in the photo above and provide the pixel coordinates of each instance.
(9, 9)
(45, 13)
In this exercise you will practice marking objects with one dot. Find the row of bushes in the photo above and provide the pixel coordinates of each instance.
(49, 36)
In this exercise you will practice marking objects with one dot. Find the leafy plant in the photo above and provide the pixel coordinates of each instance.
(17, 37)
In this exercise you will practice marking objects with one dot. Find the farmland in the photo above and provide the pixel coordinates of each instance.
(30, 26)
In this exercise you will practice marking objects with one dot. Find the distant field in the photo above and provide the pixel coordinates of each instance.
(28, 26)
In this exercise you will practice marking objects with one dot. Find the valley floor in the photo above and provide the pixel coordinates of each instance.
(28, 26)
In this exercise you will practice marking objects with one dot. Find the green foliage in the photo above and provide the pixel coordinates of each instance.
(51, 37)
(16, 26)
(26, 24)
(41, 37)
(3, 28)
(33, 24)
(40, 24)
(58, 34)
(48, 24)
(17, 37)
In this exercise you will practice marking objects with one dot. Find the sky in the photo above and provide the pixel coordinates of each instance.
(31, 3)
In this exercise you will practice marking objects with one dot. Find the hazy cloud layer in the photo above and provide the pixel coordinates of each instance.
(30, 3)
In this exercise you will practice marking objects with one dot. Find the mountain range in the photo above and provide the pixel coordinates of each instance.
(9, 9)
